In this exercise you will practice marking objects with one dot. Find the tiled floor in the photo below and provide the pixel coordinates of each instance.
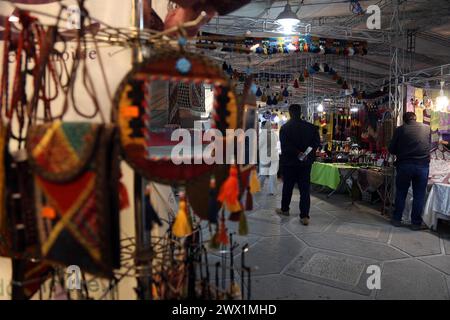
(329, 258)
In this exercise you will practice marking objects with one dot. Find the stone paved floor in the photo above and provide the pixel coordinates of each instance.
(329, 258)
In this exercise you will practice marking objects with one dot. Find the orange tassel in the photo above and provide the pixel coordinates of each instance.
(48, 213)
(229, 191)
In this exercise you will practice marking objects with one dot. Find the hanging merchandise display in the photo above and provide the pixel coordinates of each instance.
(283, 45)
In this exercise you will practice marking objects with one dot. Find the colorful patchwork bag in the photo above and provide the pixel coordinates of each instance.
(76, 173)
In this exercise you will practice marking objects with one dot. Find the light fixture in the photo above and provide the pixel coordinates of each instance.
(442, 101)
(320, 108)
(287, 19)
(354, 109)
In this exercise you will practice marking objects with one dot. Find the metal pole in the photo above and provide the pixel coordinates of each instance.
(143, 251)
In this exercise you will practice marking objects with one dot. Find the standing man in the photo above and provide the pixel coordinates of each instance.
(411, 144)
(299, 141)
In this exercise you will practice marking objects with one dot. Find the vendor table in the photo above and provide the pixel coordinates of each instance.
(438, 205)
(332, 175)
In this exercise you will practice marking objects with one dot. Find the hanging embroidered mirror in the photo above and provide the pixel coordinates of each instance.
(169, 91)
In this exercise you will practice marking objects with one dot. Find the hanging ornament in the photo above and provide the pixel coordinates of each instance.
(301, 78)
(182, 226)
(264, 97)
(326, 68)
(286, 92)
(222, 237)
(296, 85)
(254, 183)
(259, 92)
(322, 50)
(243, 226)
(275, 100)
(306, 73)
(316, 67)
(230, 70)
(321, 67)
(213, 205)
(305, 47)
(224, 66)
(229, 191)
(351, 51)
(269, 101)
(345, 85)
(340, 81)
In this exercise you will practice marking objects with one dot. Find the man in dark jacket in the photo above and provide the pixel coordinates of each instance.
(299, 141)
(411, 144)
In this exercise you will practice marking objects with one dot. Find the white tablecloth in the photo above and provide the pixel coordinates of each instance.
(438, 205)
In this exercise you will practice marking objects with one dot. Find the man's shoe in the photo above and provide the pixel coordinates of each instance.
(396, 223)
(281, 212)
(304, 221)
(418, 227)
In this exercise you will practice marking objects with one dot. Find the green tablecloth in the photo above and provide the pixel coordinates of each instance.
(327, 174)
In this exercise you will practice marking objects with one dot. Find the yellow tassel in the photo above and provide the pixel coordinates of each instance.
(182, 226)
(255, 186)
(234, 207)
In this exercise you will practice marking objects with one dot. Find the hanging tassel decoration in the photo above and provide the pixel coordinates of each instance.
(229, 191)
(182, 225)
(243, 225)
(213, 205)
(249, 201)
(222, 237)
(235, 216)
(296, 85)
(254, 183)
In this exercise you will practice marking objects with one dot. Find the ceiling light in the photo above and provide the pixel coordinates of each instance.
(320, 108)
(442, 101)
(288, 19)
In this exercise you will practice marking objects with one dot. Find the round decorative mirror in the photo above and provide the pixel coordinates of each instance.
(165, 105)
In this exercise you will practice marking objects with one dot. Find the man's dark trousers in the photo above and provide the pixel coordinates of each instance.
(300, 175)
(417, 174)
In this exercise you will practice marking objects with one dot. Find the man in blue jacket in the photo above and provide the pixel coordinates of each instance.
(299, 141)
(411, 144)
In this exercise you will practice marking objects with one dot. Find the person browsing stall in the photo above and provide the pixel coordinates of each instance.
(299, 141)
(411, 144)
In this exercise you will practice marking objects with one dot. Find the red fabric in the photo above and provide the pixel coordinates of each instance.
(65, 195)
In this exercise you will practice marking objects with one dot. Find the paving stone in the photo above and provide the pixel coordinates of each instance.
(447, 245)
(352, 246)
(334, 204)
(439, 262)
(357, 215)
(288, 288)
(272, 255)
(359, 230)
(416, 243)
(331, 268)
(319, 222)
(410, 280)
(268, 215)
(265, 229)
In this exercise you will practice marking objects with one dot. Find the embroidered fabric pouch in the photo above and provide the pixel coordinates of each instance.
(76, 173)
